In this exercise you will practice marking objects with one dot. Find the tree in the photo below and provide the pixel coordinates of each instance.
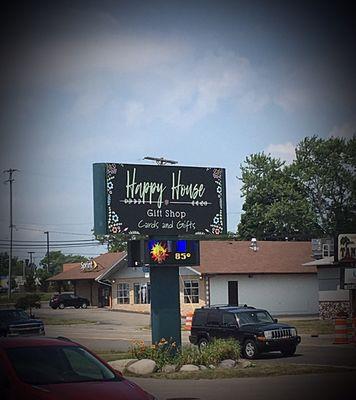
(16, 265)
(57, 259)
(114, 242)
(30, 283)
(42, 275)
(326, 168)
(28, 301)
(275, 205)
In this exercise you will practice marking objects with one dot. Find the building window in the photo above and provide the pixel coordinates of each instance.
(123, 293)
(142, 293)
(191, 291)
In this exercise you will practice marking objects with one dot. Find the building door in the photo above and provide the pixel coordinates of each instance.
(233, 293)
(104, 296)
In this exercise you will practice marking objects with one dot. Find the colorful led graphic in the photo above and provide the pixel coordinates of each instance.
(159, 252)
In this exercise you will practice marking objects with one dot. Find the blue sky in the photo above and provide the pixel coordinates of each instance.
(205, 83)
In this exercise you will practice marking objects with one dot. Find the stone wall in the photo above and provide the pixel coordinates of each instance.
(330, 309)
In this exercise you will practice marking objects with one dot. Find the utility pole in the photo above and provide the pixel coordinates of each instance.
(30, 253)
(47, 233)
(11, 226)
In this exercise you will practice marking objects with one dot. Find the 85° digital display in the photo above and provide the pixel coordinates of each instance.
(171, 252)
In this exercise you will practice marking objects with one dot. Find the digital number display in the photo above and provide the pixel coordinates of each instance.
(172, 252)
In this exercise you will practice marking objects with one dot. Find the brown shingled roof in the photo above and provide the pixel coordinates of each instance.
(235, 257)
(104, 261)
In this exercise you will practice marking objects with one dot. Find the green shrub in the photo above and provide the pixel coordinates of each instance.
(218, 350)
(165, 352)
(190, 355)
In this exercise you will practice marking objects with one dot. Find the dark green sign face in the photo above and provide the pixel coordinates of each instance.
(159, 200)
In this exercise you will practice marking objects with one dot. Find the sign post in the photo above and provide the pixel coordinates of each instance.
(165, 204)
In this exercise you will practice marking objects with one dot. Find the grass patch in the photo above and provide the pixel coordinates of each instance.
(62, 321)
(259, 370)
(44, 296)
(312, 326)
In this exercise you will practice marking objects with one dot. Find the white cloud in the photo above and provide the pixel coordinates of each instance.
(284, 151)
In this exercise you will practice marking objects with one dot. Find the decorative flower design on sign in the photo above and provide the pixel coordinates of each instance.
(159, 252)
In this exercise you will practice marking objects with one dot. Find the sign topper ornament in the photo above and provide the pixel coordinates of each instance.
(159, 200)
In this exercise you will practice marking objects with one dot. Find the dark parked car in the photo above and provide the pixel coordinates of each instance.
(255, 329)
(52, 369)
(68, 300)
(18, 323)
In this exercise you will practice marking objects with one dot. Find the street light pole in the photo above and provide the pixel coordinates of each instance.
(11, 226)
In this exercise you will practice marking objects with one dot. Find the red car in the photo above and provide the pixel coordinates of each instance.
(59, 369)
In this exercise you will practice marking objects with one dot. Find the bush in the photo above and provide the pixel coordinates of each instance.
(218, 350)
(165, 352)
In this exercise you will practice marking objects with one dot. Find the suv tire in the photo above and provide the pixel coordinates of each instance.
(84, 305)
(61, 306)
(203, 342)
(250, 350)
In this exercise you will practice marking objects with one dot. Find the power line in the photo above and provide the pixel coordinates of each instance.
(51, 231)
(52, 241)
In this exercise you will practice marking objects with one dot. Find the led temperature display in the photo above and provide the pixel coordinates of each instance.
(172, 252)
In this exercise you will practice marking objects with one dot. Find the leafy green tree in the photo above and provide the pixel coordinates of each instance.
(30, 282)
(4, 265)
(28, 301)
(42, 275)
(326, 169)
(57, 259)
(275, 206)
(114, 243)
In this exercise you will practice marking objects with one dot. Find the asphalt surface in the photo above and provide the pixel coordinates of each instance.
(113, 330)
(300, 387)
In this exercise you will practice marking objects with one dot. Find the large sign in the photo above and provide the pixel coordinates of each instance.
(347, 248)
(159, 200)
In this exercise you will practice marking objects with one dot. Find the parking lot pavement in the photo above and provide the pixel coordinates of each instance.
(114, 330)
(293, 387)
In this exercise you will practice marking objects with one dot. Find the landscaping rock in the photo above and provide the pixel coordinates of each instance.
(244, 363)
(189, 368)
(168, 369)
(202, 367)
(227, 364)
(142, 367)
(211, 366)
(121, 365)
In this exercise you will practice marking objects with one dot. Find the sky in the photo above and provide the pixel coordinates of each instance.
(205, 83)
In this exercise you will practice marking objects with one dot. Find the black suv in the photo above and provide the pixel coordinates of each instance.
(255, 329)
(16, 322)
(68, 300)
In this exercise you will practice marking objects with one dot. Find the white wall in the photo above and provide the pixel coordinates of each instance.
(278, 293)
